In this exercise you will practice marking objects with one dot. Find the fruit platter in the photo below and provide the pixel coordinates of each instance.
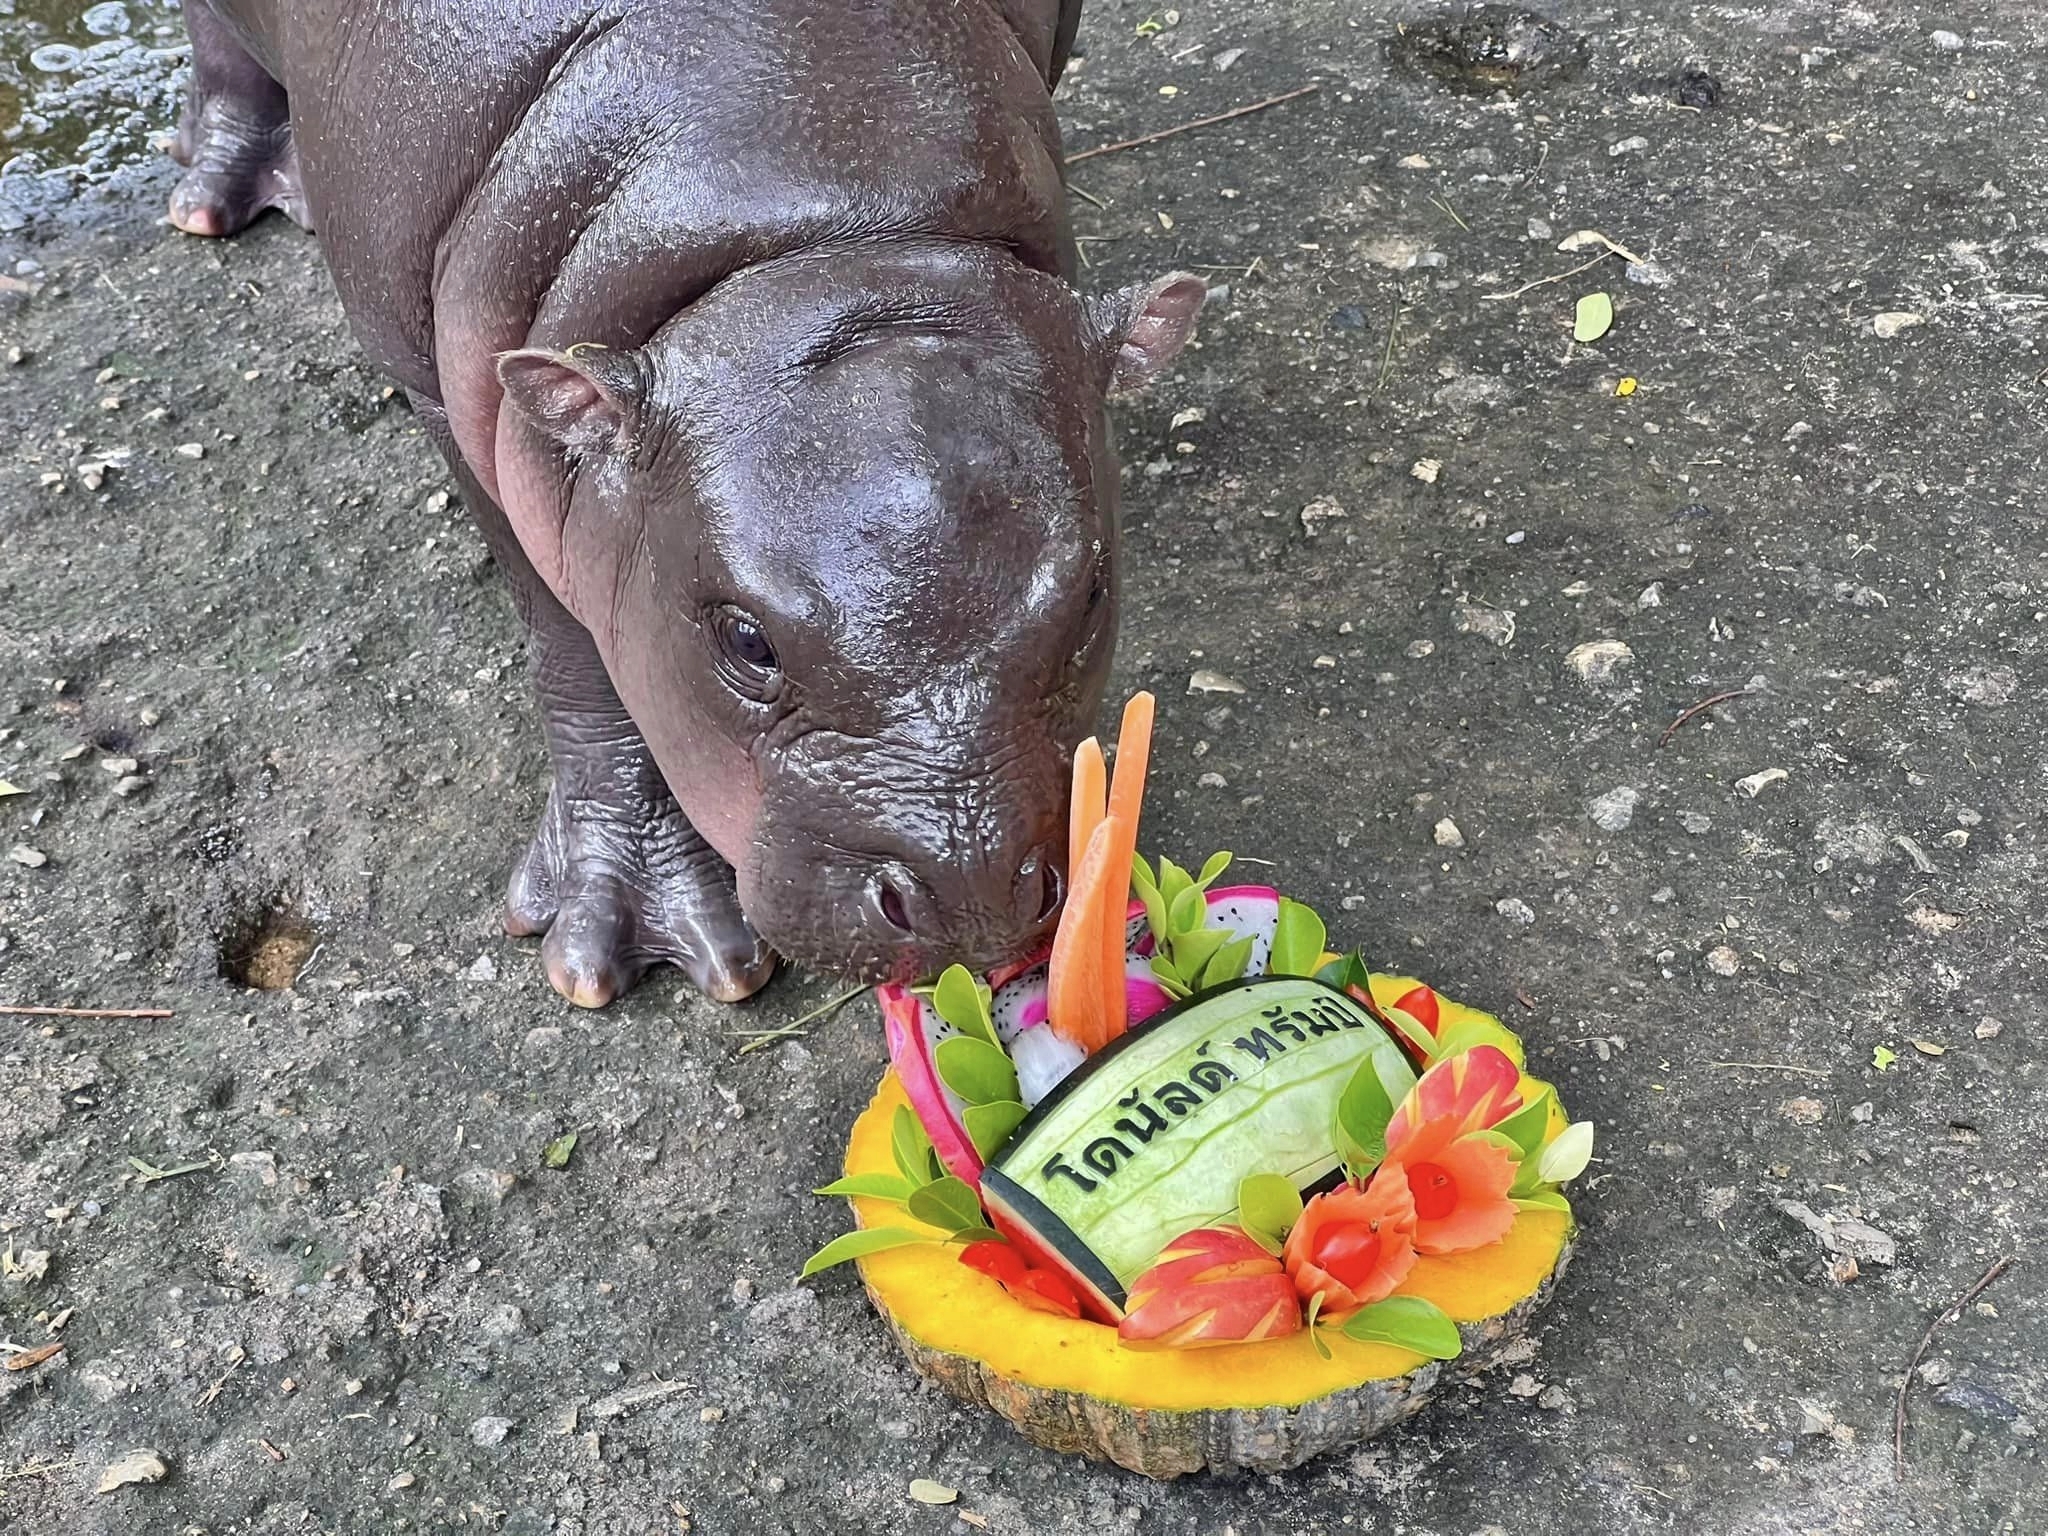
(1194, 1191)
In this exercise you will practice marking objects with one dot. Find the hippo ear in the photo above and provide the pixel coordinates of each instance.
(1148, 325)
(585, 398)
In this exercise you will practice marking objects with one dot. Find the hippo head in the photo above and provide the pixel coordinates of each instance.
(845, 532)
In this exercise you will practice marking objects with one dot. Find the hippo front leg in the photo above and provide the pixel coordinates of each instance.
(615, 876)
(235, 138)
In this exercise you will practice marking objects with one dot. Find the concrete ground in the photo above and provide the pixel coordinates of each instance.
(1789, 959)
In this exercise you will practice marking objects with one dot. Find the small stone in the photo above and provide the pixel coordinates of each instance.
(1212, 781)
(1863, 1113)
(190, 450)
(1325, 663)
(1447, 834)
(1419, 649)
(1413, 163)
(1651, 596)
(1524, 1385)
(1629, 146)
(1936, 1372)
(1723, 961)
(710, 1415)
(489, 1430)
(1495, 624)
(1988, 1028)
(1664, 895)
(1945, 41)
(1599, 664)
(1324, 509)
(1932, 921)
(925, 1491)
(1578, 589)
(1226, 58)
(1515, 910)
(1426, 470)
(133, 784)
(1989, 686)
(1205, 681)
(1539, 229)
(1893, 321)
(482, 968)
(401, 1482)
(1696, 823)
(1613, 811)
(1757, 783)
(137, 1466)
(1813, 1418)
(1803, 1111)
(1555, 1399)
(27, 857)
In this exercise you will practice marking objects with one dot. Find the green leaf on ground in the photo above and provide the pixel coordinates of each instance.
(556, 1154)
(1595, 317)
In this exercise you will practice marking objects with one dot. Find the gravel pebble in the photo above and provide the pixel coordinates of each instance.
(1515, 910)
(1613, 811)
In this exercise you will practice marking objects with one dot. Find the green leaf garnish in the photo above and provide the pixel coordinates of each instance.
(1525, 1127)
(1298, 941)
(962, 1002)
(858, 1245)
(989, 1125)
(1363, 1110)
(1213, 869)
(1566, 1158)
(1229, 963)
(910, 1146)
(1544, 1200)
(1407, 1322)
(948, 1204)
(1268, 1204)
(979, 1072)
(1186, 913)
(868, 1186)
(1315, 1312)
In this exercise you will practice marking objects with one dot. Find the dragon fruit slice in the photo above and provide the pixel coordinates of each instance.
(914, 1029)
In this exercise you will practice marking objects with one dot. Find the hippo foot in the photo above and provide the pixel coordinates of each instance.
(241, 161)
(618, 894)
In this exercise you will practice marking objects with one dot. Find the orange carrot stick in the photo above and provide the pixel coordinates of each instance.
(1133, 756)
(1076, 985)
(1091, 784)
(1126, 796)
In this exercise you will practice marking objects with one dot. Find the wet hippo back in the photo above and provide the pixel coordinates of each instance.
(488, 176)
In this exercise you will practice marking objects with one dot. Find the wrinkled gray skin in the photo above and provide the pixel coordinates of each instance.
(748, 330)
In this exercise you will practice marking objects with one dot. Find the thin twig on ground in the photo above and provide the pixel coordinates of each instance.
(796, 1026)
(1200, 122)
(22, 1010)
(1767, 1066)
(1495, 298)
(1387, 359)
(1954, 1311)
(1701, 708)
(35, 1469)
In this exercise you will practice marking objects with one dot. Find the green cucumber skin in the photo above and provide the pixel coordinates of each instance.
(1275, 1118)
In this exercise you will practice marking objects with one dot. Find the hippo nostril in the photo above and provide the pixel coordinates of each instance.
(1055, 891)
(894, 912)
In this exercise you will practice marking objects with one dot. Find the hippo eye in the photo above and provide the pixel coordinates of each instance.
(746, 661)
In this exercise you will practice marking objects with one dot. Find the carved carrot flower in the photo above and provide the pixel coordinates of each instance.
(1456, 1177)
(1353, 1245)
